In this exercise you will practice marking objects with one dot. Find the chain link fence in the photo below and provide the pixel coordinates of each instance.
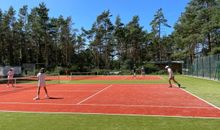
(206, 67)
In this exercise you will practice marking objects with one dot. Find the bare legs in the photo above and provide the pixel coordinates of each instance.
(10, 81)
(174, 82)
(38, 93)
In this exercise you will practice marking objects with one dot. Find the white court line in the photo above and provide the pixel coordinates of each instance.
(72, 90)
(16, 89)
(103, 105)
(33, 90)
(110, 114)
(62, 91)
(199, 98)
(125, 105)
(94, 94)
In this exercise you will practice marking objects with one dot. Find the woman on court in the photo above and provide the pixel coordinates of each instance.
(171, 76)
(41, 83)
(10, 77)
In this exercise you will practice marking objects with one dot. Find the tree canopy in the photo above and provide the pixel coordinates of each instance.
(34, 37)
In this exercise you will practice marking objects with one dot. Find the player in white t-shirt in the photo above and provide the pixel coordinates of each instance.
(142, 71)
(171, 76)
(41, 83)
(134, 70)
(10, 77)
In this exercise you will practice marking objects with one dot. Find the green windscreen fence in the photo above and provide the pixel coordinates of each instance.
(207, 67)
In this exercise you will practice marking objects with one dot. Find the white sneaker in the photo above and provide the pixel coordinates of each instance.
(36, 98)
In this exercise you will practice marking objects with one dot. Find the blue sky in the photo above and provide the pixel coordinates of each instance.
(84, 12)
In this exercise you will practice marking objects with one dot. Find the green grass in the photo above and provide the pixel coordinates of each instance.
(206, 89)
(31, 121)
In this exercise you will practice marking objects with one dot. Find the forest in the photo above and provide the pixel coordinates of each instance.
(34, 37)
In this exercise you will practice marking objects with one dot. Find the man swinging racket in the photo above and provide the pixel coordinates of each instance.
(171, 76)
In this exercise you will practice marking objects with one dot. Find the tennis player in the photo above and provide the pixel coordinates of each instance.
(171, 76)
(41, 83)
(142, 71)
(10, 77)
(134, 70)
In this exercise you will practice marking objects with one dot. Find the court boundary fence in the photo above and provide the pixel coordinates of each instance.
(205, 67)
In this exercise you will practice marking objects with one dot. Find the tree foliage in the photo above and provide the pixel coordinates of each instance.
(197, 30)
(34, 37)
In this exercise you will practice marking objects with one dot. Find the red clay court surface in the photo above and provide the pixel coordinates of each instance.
(131, 99)
(109, 77)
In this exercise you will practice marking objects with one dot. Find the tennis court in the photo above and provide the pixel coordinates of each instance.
(128, 99)
(106, 77)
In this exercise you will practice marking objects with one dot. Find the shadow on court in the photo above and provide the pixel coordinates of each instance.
(55, 98)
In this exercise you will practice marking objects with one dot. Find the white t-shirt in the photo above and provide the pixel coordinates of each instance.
(170, 72)
(10, 74)
(41, 79)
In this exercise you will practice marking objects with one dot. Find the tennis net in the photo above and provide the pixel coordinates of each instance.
(17, 85)
(50, 79)
(5, 81)
(82, 75)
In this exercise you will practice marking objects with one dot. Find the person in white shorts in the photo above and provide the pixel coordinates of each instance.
(171, 76)
(41, 83)
(134, 70)
(142, 71)
(10, 77)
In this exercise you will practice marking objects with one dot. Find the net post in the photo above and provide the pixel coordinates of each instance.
(58, 78)
(15, 82)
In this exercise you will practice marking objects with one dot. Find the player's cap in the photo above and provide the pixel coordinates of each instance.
(42, 70)
(166, 67)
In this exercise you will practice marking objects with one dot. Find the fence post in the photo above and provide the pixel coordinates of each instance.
(197, 66)
(210, 67)
(217, 68)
